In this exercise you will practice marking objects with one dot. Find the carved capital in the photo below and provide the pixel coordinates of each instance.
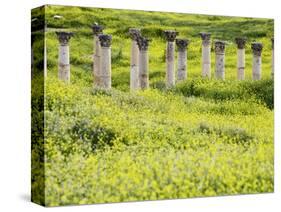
(219, 47)
(143, 43)
(64, 37)
(272, 43)
(134, 33)
(257, 48)
(206, 38)
(97, 29)
(170, 35)
(105, 40)
(241, 42)
(182, 44)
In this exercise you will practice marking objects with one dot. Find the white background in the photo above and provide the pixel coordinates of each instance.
(15, 104)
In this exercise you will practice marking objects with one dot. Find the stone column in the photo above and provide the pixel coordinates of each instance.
(64, 66)
(272, 58)
(257, 49)
(134, 71)
(104, 74)
(241, 42)
(170, 57)
(220, 60)
(182, 59)
(206, 54)
(143, 62)
(97, 30)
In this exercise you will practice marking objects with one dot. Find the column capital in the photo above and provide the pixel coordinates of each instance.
(170, 35)
(272, 43)
(182, 44)
(206, 38)
(143, 43)
(64, 37)
(134, 33)
(219, 46)
(241, 42)
(97, 29)
(105, 40)
(257, 48)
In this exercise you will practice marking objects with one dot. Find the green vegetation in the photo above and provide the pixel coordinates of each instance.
(200, 138)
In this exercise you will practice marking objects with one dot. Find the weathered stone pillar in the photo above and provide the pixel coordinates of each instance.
(104, 75)
(220, 60)
(170, 57)
(97, 30)
(241, 42)
(182, 59)
(64, 66)
(257, 50)
(143, 62)
(206, 54)
(134, 72)
(272, 58)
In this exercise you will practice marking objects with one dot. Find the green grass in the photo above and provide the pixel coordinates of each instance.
(200, 138)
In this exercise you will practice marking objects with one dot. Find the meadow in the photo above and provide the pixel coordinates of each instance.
(199, 138)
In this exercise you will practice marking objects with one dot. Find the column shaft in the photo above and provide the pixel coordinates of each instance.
(134, 71)
(206, 54)
(143, 69)
(182, 65)
(96, 62)
(143, 62)
(206, 61)
(134, 33)
(97, 30)
(240, 64)
(220, 72)
(257, 62)
(182, 58)
(220, 60)
(105, 62)
(257, 67)
(170, 65)
(105, 73)
(64, 66)
(241, 42)
(170, 36)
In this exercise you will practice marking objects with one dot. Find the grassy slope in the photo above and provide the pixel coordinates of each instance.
(201, 138)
